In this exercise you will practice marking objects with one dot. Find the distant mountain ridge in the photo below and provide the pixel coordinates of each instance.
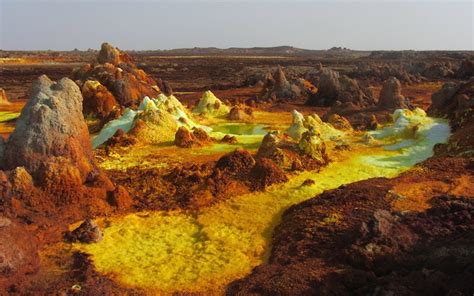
(275, 50)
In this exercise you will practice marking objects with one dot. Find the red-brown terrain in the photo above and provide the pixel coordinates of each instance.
(410, 235)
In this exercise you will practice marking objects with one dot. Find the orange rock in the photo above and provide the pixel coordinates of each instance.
(120, 198)
(98, 100)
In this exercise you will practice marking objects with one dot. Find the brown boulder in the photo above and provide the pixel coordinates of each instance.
(201, 135)
(185, 138)
(20, 180)
(391, 95)
(87, 232)
(229, 139)
(280, 79)
(112, 55)
(269, 146)
(239, 113)
(98, 100)
(165, 87)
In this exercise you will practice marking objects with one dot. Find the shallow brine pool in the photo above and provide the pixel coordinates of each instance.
(240, 129)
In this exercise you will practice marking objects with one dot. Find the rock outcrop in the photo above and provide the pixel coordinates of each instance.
(154, 126)
(336, 90)
(112, 55)
(87, 232)
(298, 125)
(301, 124)
(391, 95)
(277, 86)
(51, 129)
(350, 241)
(185, 138)
(455, 101)
(98, 100)
(269, 148)
(438, 70)
(239, 113)
(121, 139)
(3, 98)
(117, 82)
(48, 157)
(155, 121)
(312, 145)
(308, 152)
(380, 72)
(339, 122)
(466, 69)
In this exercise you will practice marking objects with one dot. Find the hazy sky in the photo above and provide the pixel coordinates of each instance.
(66, 24)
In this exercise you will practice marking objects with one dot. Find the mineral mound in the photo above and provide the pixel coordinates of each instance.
(211, 106)
(155, 121)
(51, 128)
(341, 91)
(48, 158)
(327, 131)
(307, 153)
(114, 82)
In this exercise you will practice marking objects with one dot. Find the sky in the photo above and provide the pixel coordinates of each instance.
(140, 25)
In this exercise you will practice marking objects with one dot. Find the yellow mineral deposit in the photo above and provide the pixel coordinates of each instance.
(211, 106)
(163, 252)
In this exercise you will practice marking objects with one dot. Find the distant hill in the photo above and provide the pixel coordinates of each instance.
(258, 51)
(284, 50)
